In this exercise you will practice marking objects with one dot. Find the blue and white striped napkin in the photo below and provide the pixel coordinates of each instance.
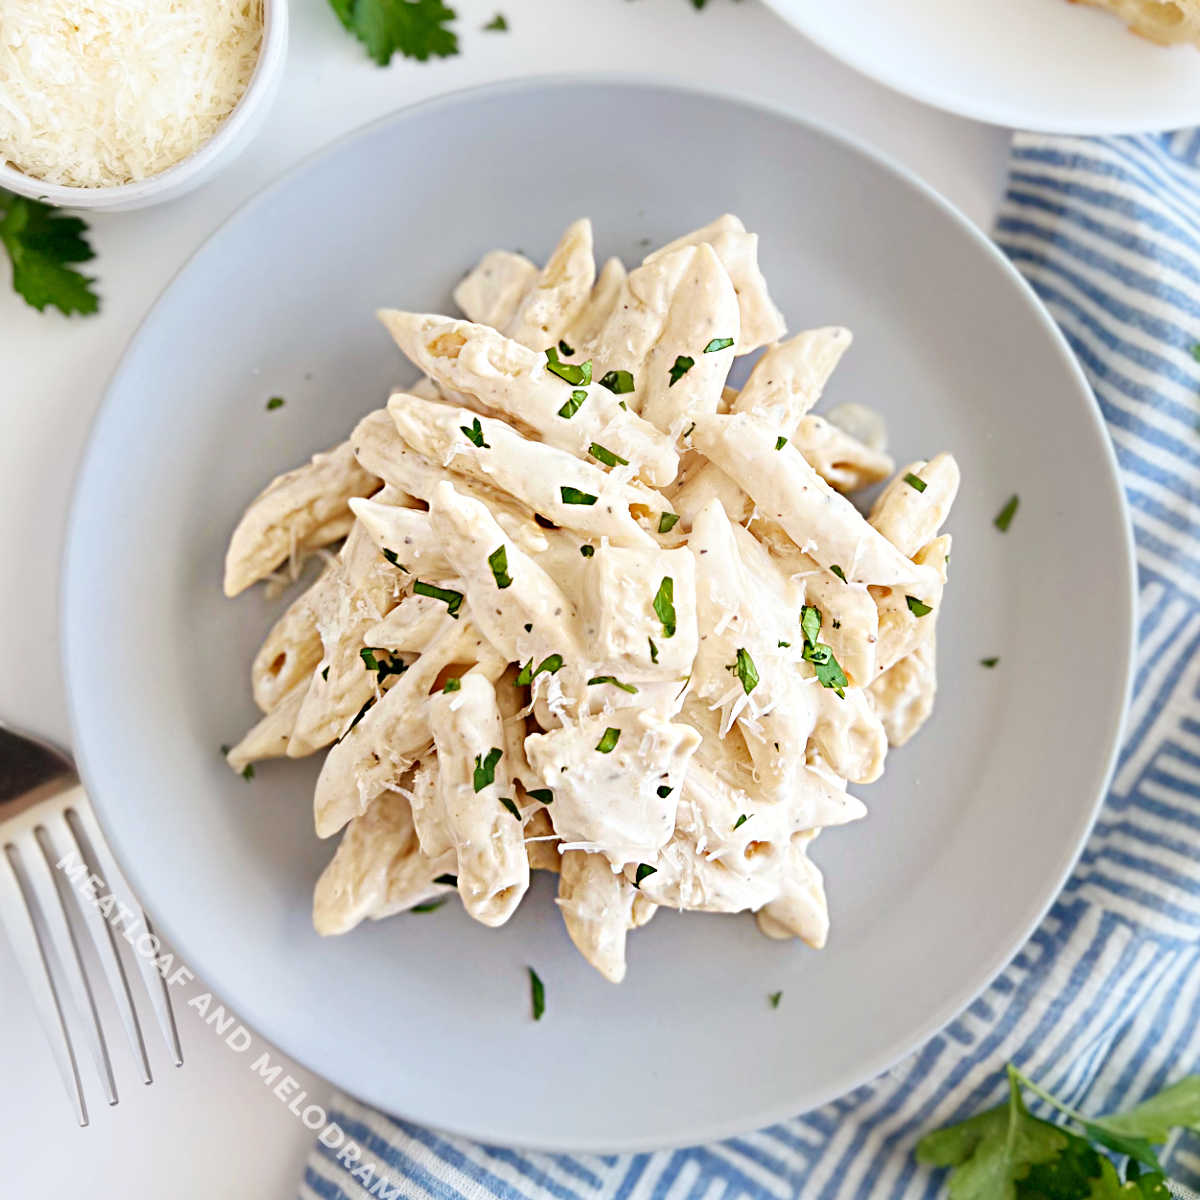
(1103, 1004)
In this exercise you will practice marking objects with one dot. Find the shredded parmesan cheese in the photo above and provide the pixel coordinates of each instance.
(95, 93)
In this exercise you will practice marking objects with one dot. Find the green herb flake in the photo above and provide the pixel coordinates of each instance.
(448, 880)
(474, 433)
(988, 662)
(394, 559)
(664, 790)
(578, 375)
(718, 344)
(537, 995)
(248, 772)
(369, 659)
(573, 404)
(1003, 518)
(743, 667)
(485, 768)
(838, 572)
(511, 805)
(606, 456)
(642, 871)
(275, 402)
(566, 350)
(917, 607)
(498, 561)
(550, 664)
(915, 481)
(572, 495)
(625, 687)
(619, 383)
(780, 442)
(608, 742)
(453, 684)
(451, 599)
(545, 795)
(682, 366)
(740, 821)
(587, 551)
(784, 645)
(667, 521)
(774, 999)
(810, 623)
(429, 906)
(664, 608)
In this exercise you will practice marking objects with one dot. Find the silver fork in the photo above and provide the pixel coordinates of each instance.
(46, 819)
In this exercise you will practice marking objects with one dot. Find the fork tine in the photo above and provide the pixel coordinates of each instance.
(58, 841)
(17, 917)
(40, 874)
(160, 998)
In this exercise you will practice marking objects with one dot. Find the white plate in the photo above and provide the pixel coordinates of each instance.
(972, 828)
(1046, 65)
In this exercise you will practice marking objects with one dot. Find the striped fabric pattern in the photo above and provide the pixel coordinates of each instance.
(1103, 1003)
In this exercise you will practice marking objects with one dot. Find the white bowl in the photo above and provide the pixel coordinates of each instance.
(233, 136)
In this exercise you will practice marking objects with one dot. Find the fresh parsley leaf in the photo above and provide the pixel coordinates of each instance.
(498, 561)
(369, 659)
(625, 687)
(682, 366)
(563, 348)
(499, 25)
(1003, 518)
(740, 821)
(718, 344)
(413, 28)
(474, 432)
(511, 805)
(40, 242)
(275, 402)
(572, 495)
(988, 662)
(1177, 1106)
(587, 551)
(429, 906)
(537, 995)
(248, 772)
(606, 456)
(664, 608)
(449, 880)
(576, 374)
(453, 600)
(810, 623)
(838, 572)
(743, 667)
(573, 404)
(642, 871)
(485, 768)
(917, 607)
(653, 648)
(394, 559)
(780, 442)
(915, 481)
(667, 521)
(453, 684)
(617, 382)
(527, 674)
(775, 998)
(664, 790)
(545, 795)
(784, 645)
(608, 741)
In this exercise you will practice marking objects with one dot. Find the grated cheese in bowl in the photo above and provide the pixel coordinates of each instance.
(98, 93)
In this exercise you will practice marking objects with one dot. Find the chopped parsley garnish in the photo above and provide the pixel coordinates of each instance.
(485, 768)
(916, 607)
(369, 659)
(550, 664)
(665, 790)
(642, 871)
(915, 481)
(828, 670)
(664, 607)
(575, 374)
(545, 795)
(606, 456)
(988, 662)
(608, 742)
(498, 561)
(780, 442)
(838, 572)
(625, 687)
(667, 521)
(682, 366)
(775, 998)
(783, 645)
(572, 495)
(617, 382)
(810, 622)
(740, 821)
(587, 551)
(653, 650)
(1003, 518)
(41, 242)
(563, 348)
(511, 805)
(474, 433)
(573, 404)
(448, 880)
(451, 599)
(275, 402)
(248, 772)
(718, 344)
(743, 667)
(429, 906)
(394, 559)
(453, 684)
(537, 995)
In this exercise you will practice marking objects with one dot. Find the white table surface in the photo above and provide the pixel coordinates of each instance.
(211, 1129)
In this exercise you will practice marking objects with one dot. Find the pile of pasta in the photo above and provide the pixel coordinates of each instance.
(593, 611)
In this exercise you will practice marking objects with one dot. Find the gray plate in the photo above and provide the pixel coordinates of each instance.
(973, 827)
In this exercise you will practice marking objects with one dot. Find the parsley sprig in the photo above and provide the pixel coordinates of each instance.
(40, 242)
(414, 28)
(827, 668)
